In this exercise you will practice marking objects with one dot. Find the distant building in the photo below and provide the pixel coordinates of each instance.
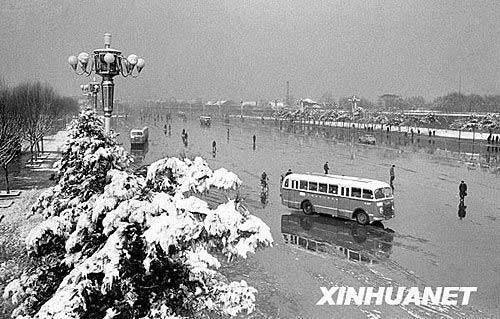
(276, 104)
(309, 104)
(389, 100)
(220, 103)
(249, 104)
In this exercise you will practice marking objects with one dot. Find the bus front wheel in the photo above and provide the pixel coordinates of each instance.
(362, 218)
(307, 208)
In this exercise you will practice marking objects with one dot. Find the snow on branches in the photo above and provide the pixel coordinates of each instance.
(118, 245)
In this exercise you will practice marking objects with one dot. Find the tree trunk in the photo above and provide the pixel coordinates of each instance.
(6, 179)
(31, 152)
(41, 142)
(37, 150)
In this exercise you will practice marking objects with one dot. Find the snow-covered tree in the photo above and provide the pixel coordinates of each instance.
(11, 131)
(114, 244)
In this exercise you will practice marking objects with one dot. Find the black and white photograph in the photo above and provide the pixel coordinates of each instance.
(262, 159)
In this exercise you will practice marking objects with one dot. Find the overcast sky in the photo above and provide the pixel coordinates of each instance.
(248, 49)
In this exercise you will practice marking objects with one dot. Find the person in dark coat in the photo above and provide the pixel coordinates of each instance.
(462, 188)
(391, 172)
(326, 168)
(461, 210)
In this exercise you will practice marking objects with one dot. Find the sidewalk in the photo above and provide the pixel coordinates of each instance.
(32, 179)
(466, 135)
(55, 143)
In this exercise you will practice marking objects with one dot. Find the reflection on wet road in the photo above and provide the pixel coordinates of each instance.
(432, 245)
(337, 237)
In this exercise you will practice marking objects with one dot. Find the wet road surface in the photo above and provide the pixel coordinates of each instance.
(426, 244)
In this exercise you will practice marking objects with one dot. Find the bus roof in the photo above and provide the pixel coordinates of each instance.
(340, 179)
(145, 128)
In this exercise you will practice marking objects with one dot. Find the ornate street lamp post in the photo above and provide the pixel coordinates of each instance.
(354, 100)
(107, 63)
(90, 90)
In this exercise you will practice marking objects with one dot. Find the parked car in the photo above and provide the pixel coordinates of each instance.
(367, 139)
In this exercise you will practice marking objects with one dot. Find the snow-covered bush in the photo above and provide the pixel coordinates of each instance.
(118, 245)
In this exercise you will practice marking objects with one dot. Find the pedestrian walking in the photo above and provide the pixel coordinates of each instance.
(462, 190)
(391, 172)
(214, 146)
(326, 168)
(461, 210)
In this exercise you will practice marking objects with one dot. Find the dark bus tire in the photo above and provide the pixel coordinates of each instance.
(307, 207)
(362, 218)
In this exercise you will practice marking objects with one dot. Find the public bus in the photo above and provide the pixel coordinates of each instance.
(205, 120)
(361, 199)
(139, 136)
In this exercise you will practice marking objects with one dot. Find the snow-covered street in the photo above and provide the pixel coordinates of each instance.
(426, 244)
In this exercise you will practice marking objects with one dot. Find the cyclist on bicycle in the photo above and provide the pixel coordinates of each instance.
(263, 179)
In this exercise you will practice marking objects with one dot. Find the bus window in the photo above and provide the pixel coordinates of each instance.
(367, 193)
(303, 242)
(311, 245)
(303, 185)
(356, 192)
(286, 182)
(322, 188)
(333, 189)
(347, 191)
(342, 191)
(383, 192)
(313, 186)
(354, 255)
(286, 238)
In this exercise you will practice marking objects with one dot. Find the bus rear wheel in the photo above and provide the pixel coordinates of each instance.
(307, 208)
(362, 218)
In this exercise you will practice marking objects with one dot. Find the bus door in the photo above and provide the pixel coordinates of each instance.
(333, 199)
(344, 204)
(324, 200)
(286, 193)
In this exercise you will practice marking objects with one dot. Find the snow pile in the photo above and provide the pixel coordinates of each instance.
(222, 178)
(117, 245)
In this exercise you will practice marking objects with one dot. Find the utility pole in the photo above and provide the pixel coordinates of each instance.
(287, 97)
